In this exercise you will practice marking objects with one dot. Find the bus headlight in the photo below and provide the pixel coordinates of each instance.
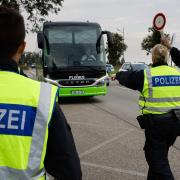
(101, 82)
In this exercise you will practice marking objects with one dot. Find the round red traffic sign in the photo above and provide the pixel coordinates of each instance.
(159, 21)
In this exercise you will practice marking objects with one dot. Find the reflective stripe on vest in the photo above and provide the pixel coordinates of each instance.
(159, 99)
(161, 110)
(33, 171)
(161, 91)
(149, 79)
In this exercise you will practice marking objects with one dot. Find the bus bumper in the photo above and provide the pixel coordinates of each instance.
(82, 91)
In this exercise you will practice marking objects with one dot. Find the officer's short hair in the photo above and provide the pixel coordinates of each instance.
(160, 53)
(12, 31)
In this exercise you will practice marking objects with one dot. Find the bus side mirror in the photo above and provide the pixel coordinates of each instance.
(40, 39)
(109, 38)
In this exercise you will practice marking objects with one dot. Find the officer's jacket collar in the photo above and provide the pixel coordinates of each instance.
(7, 64)
(159, 64)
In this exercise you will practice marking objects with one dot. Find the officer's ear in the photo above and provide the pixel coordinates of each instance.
(21, 48)
(19, 52)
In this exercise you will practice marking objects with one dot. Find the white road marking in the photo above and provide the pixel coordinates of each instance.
(103, 144)
(107, 168)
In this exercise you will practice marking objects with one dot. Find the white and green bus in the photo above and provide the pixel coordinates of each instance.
(73, 57)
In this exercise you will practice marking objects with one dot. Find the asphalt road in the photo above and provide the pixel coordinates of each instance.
(108, 137)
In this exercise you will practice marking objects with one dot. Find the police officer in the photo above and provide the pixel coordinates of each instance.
(34, 135)
(159, 103)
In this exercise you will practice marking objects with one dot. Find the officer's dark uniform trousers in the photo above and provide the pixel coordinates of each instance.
(160, 134)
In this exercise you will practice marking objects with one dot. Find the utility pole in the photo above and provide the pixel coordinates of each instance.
(123, 43)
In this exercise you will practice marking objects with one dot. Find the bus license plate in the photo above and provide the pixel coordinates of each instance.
(77, 92)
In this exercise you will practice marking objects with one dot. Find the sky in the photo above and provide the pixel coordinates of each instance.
(134, 16)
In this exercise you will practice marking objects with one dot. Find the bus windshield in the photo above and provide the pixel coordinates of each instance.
(71, 46)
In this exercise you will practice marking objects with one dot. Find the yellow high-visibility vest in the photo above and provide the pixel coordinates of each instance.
(161, 90)
(26, 108)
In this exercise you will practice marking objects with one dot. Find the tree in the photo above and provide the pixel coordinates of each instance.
(36, 10)
(115, 52)
(151, 40)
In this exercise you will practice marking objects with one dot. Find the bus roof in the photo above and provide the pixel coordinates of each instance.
(70, 23)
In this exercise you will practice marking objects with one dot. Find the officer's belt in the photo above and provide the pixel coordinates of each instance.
(147, 120)
(160, 116)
